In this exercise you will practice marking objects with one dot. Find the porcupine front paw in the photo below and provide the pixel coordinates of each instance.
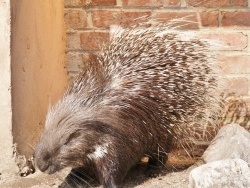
(155, 166)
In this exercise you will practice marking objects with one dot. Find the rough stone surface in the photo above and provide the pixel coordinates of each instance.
(6, 140)
(232, 141)
(221, 174)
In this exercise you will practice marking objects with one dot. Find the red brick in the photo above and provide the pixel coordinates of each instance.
(105, 18)
(228, 41)
(103, 2)
(150, 3)
(236, 64)
(217, 3)
(75, 2)
(238, 85)
(188, 20)
(210, 18)
(73, 41)
(132, 18)
(237, 18)
(78, 61)
(75, 19)
(81, 3)
(73, 60)
(93, 40)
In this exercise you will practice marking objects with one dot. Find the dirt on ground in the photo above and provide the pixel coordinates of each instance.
(175, 175)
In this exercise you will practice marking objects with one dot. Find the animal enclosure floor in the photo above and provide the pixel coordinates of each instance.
(40, 180)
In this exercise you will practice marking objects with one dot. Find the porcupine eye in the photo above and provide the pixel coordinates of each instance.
(71, 137)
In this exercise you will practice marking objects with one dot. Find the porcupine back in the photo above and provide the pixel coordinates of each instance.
(157, 79)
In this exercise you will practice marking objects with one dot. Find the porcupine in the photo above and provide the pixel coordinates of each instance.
(148, 86)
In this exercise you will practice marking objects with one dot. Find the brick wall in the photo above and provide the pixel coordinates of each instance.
(88, 22)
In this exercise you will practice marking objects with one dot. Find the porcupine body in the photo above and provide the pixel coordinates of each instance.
(147, 87)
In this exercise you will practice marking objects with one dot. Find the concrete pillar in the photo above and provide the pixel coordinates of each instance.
(6, 139)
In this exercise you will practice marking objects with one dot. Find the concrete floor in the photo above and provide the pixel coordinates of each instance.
(40, 180)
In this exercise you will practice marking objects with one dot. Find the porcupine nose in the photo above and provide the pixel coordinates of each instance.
(42, 165)
(42, 161)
